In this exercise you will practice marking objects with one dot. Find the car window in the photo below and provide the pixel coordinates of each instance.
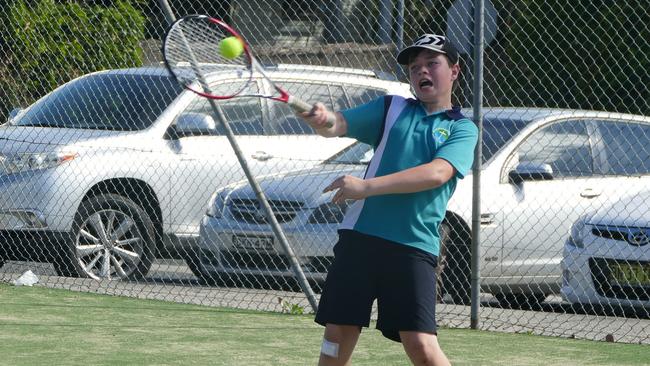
(119, 102)
(564, 146)
(497, 132)
(244, 115)
(283, 119)
(625, 146)
(360, 95)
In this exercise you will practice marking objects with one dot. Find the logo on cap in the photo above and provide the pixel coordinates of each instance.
(430, 39)
(433, 42)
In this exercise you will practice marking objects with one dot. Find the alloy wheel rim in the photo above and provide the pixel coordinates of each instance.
(109, 245)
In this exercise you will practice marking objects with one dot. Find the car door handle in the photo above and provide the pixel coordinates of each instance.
(261, 156)
(589, 193)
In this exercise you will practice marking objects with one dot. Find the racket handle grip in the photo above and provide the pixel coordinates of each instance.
(301, 106)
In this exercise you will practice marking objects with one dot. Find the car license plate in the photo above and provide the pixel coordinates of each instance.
(632, 274)
(252, 242)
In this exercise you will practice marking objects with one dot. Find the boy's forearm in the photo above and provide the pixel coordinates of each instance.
(420, 178)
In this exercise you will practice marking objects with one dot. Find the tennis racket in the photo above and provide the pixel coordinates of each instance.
(191, 51)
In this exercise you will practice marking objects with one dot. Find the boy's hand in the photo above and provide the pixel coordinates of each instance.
(349, 187)
(317, 118)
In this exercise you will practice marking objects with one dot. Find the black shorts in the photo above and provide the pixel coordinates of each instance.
(400, 277)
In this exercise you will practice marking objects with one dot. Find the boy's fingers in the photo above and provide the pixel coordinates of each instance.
(313, 110)
(334, 185)
(329, 188)
(337, 197)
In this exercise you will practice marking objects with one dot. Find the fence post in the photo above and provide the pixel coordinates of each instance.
(399, 29)
(385, 21)
(478, 156)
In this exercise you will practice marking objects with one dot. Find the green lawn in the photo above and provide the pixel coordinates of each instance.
(40, 326)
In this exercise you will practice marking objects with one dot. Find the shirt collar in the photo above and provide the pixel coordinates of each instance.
(454, 113)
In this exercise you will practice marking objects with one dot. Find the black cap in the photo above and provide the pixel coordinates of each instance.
(433, 42)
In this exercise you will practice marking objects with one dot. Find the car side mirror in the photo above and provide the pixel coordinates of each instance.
(530, 171)
(193, 124)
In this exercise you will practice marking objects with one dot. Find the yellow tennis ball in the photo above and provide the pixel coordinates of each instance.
(231, 47)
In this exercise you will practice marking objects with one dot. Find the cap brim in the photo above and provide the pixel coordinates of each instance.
(404, 55)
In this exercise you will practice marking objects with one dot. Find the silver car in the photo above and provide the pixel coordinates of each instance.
(237, 241)
(114, 168)
(607, 256)
(541, 170)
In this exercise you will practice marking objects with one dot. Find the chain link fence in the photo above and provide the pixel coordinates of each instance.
(107, 184)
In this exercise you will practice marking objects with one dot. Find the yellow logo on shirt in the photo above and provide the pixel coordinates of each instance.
(440, 135)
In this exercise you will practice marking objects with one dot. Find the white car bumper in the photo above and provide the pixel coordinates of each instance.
(238, 248)
(585, 282)
(37, 200)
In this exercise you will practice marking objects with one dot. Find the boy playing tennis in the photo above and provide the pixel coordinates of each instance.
(389, 242)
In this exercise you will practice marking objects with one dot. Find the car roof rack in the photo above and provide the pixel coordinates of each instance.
(296, 67)
(319, 68)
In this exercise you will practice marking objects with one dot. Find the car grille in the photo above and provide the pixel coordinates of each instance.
(250, 211)
(633, 235)
(320, 264)
(603, 274)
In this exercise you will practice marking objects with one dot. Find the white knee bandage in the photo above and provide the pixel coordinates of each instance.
(329, 348)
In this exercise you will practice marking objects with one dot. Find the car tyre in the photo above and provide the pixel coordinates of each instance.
(193, 261)
(520, 300)
(113, 238)
(454, 269)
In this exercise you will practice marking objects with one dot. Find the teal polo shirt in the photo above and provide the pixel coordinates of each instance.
(404, 136)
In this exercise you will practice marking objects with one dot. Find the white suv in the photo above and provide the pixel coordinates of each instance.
(115, 167)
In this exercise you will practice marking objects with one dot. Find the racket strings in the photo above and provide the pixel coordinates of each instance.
(191, 51)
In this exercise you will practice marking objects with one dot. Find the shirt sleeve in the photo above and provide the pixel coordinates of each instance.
(364, 121)
(458, 150)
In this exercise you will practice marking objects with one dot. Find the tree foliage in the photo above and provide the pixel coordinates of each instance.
(420, 16)
(48, 42)
(590, 54)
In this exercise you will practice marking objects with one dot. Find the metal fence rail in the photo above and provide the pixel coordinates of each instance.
(106, 187)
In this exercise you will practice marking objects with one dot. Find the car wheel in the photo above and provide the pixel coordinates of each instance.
(193, 261)
(519, 300)
(113, 238)
(454, 269)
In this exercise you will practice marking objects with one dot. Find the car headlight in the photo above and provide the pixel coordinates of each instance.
(328, 213)
(579, 231)
(216, 205)
(12, 164)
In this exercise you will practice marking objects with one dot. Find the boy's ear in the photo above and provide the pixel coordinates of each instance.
(455, 72)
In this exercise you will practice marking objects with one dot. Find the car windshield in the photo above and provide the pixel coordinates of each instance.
(117, 102)
(496, 134)
(355, 154)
